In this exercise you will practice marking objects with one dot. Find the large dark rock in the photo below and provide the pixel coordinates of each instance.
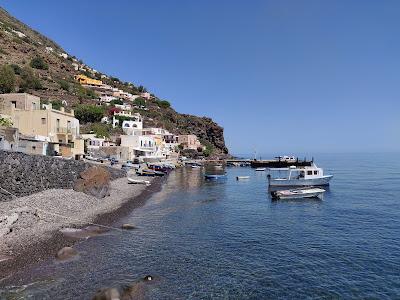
(94, 181)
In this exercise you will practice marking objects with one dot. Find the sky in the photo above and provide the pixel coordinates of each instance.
(280, 76)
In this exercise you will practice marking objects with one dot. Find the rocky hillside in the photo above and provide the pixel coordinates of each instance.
(43, 68)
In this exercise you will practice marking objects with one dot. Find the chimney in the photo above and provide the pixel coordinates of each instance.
(72, 112)
(62, 109)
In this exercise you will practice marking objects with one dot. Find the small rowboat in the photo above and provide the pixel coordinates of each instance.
(215, 176)
(298, 193)
(242, 177)
(138, 181)
(261, 169)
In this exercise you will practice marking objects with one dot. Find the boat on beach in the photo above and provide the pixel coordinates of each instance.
(300, 176)
(138, 181)
(298, 193)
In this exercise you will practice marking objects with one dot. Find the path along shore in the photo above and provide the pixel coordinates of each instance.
(36, 234)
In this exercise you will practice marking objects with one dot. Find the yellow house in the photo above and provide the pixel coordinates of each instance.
(58, 126)
(84, 80)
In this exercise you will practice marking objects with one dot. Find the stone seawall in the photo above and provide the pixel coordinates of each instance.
(22, 174)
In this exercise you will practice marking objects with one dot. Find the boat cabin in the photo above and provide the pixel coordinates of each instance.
(307, 172)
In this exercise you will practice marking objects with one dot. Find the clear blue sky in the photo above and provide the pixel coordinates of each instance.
(279, 76)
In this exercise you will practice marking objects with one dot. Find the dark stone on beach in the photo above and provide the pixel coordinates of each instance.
(107, 294)
(66, 253)
(94, 181)
(128, 226)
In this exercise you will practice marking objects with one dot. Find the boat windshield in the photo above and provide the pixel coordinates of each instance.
(284, 173)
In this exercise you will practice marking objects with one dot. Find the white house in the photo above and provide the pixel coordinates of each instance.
(139, 146)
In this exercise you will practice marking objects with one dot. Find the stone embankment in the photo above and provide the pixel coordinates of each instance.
(22, 174)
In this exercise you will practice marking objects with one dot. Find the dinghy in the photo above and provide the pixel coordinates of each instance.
(298, 193)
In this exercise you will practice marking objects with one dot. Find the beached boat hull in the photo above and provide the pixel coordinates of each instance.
(300, 182)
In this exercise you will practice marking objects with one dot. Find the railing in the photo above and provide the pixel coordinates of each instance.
(66, 130)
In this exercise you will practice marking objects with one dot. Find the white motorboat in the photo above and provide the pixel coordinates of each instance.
(196, 167)
(300, 176)
(242, 177)
(298, 193)
(138, 181)
(260, 169)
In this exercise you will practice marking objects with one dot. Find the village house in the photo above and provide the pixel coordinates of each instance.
(46, 125)
(189, 141)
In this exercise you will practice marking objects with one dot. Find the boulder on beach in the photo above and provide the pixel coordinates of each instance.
(66, 253)
(94, 181)
(107, 294)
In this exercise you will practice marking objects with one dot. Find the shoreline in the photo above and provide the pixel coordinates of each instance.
(25, 252)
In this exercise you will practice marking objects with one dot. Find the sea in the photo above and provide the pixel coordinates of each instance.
(228, 239)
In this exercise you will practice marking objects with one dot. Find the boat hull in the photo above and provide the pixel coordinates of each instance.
(289, 195)
(300, 182)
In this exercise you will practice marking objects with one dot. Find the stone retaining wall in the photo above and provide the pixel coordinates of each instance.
(22, 174)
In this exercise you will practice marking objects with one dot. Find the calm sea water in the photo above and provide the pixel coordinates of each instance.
(205, 240)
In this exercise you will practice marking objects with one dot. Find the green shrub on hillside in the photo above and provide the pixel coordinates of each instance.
(140, 102)
(101, 130)
(84, 93)
(163, 103)
(17, 69)
(29, 80)
(64, 84)
(87, 113)
(7, 79)
(116, 101)
(38, 63)
(56, 104)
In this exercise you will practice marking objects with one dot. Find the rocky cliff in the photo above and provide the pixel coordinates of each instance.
(43, 68)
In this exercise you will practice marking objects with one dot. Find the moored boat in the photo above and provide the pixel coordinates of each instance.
(242, 177)
(298, 193)
(301, 176)
(215, 176)
(260, 169)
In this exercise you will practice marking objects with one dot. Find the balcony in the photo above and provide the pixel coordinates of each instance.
(66, 130)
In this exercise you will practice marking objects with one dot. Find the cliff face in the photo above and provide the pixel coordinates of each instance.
(54, 80)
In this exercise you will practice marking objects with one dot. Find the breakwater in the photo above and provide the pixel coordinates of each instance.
(22, 174)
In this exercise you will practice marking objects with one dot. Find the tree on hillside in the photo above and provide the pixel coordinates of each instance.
(89, 113)
(38, 63)
(7, 79)
(142, 89)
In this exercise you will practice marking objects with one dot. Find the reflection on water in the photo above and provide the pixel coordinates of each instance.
(212, 239)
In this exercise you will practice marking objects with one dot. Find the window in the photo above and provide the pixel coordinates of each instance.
(315, 172)
(43, 121)
(309, 172)
(33, 147)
